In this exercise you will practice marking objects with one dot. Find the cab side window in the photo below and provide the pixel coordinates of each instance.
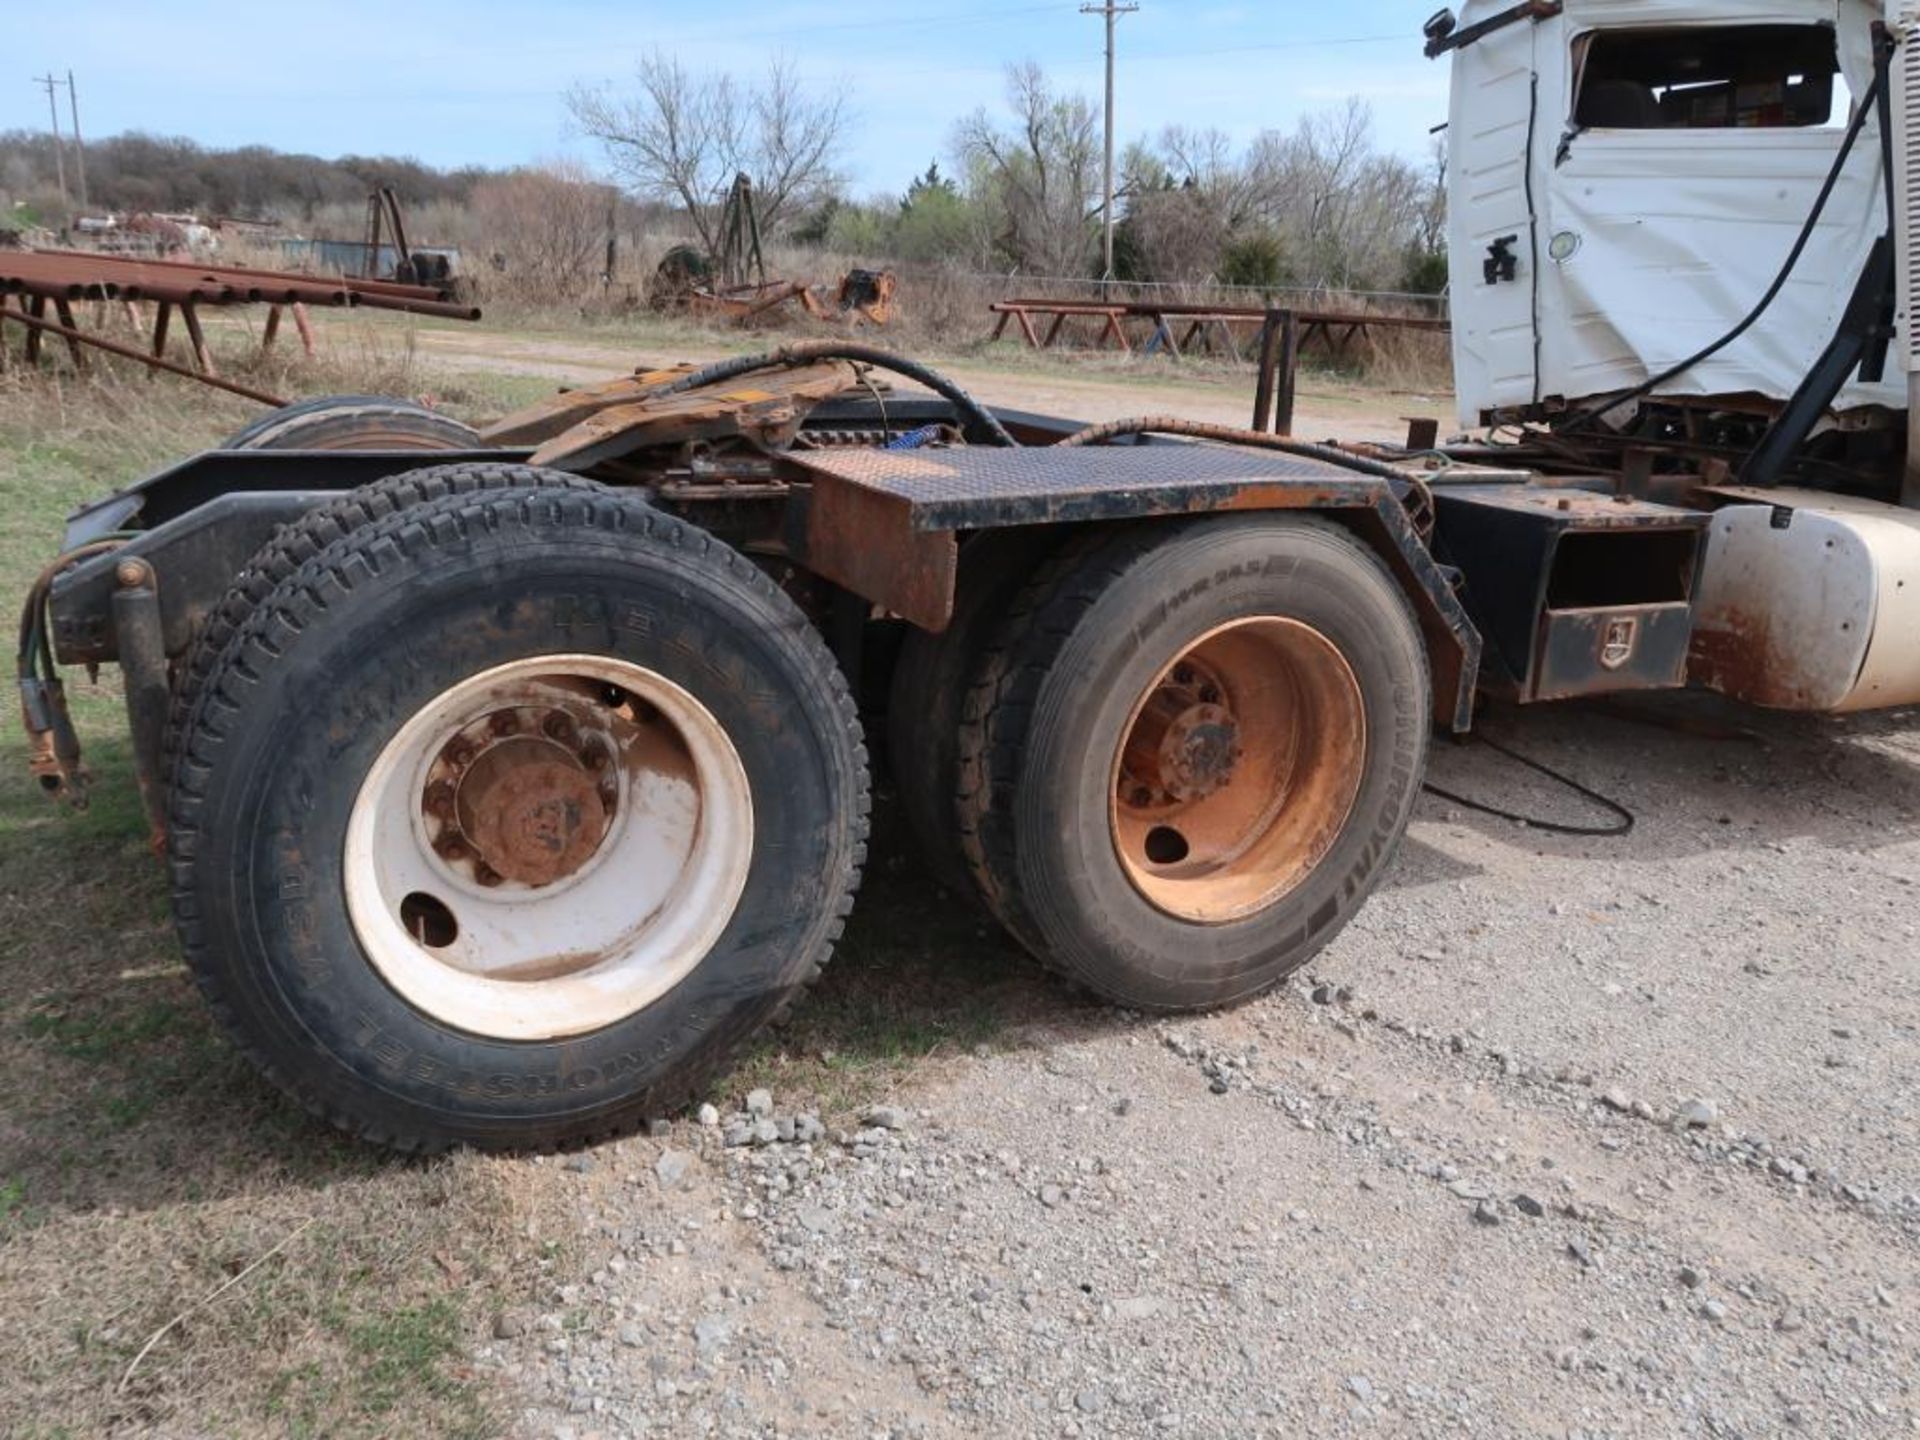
(1708, 78)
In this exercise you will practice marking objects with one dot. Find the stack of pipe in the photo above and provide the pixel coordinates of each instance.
(84, 275)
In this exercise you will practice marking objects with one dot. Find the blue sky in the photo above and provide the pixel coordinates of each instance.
(480, 81)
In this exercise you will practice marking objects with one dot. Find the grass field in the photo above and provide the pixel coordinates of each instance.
(152, 1185)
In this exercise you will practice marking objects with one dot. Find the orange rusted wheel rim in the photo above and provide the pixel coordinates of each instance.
(1237, 769)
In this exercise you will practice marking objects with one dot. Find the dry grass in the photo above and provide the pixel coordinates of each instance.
(143, 1164)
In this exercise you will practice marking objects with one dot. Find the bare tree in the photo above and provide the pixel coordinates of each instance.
(1043, 174)
(548, 226)
(1188, 196)
(681, 138)
(1430, 224)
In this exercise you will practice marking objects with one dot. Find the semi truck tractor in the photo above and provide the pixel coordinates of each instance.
(507, 779)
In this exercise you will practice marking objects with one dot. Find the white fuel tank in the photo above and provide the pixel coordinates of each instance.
(1809, 601)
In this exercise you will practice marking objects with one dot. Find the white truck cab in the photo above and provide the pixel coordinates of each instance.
(1626, 178)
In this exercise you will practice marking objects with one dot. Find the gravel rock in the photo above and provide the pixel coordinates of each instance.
(1697, 1114)
(815, 1218)
(507, 1325)
(1202, 1267)
(759, 1103)
(674, 1169)
(708, 1116)
(885, 1117)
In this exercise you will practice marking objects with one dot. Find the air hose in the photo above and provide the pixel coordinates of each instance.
(808, 350)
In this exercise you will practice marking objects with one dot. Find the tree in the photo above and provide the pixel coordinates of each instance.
(1042, 177)
(1426, 270)
(681, 138)
(1186, 195)
(934, 222)
(548, 226)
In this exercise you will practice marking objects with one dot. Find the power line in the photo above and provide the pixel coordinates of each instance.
(1284, 45)
(946, 21)
(1111, 12)
(1155, 56)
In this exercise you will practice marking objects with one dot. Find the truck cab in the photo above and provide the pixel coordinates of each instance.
(1680, 252)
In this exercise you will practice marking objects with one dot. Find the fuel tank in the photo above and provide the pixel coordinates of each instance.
(1809, 601)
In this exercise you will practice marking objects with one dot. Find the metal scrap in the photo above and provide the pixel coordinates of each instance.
(34, 282)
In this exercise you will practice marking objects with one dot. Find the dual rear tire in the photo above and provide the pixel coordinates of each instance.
(1185, 755)
(506, 807)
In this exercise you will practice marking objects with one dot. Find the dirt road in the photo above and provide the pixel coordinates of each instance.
(1567, 1137)
(1097, 391)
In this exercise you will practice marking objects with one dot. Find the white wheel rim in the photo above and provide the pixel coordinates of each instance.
(477, 778)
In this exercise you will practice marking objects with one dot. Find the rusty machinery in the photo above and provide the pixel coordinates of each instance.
(732, 284)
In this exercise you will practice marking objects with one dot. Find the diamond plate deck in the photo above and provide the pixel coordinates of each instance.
(980, 487)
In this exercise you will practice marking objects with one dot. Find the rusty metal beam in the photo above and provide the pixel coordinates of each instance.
(37, 324)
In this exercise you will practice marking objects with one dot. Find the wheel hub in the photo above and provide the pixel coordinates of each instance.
(1237, 769)
(1184, 744)
(522, 797)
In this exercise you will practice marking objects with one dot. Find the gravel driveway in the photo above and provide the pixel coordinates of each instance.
(1562, 1137)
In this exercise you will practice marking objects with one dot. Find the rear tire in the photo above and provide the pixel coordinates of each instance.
(293, 545)
(1142, 805)
(320, 722)
(354, 422)
(929, 692)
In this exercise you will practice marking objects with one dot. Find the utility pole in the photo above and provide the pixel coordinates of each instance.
(79, 145)
(1112, 12)
(53, 114)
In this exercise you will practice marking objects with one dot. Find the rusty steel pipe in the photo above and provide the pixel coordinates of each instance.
(350, 282)
(113, 347)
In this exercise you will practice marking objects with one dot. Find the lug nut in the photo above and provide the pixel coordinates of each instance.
(503, 722)
(594, 757)
(451, 847)
(460, 750)
(559, 726)
(440, 799)
(486, 875)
